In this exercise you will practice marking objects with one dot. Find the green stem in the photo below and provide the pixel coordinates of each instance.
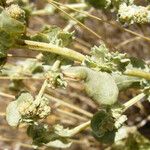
(138, 73)
(56, 65)
(72, 132)
(48, 47)
(133, 101)
(41, 92)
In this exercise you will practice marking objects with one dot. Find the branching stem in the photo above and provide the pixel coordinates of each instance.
(138, 73)
(134, 100)
(48, 47)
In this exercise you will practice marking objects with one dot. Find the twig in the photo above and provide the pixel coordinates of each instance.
(71, 114)
(51, 98)
(7, 95)
(105, 21)
(133, 101)
(138, 73)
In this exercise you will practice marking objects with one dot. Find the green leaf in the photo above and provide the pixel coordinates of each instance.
(10, 30)
(130, 139)
(42, 135)
(12, 26)
(24, 97)
(12, 114)
(103, 60)
(101, 123)
(55, 36)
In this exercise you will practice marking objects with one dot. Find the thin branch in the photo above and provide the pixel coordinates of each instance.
(105, 21)
(51, 98)
(78, 22)
(7, 95)
(71, 114)
(20, 78)
(127, 41)
(134, 100)
(138, 73)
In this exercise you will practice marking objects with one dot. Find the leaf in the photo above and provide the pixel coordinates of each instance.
(103, 60)
(55, 36)
(102, 123)
(101, 87)
(16, 85)
(58, 144)
(10, 30)
(24, 97)
(130, 139)
(12, 114)
(12, 26)
(106, 124)
(42, 135)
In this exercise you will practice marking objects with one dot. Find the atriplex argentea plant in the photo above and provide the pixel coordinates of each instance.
(104, 75)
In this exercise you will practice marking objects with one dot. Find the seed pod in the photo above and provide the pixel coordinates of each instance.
(100, 86)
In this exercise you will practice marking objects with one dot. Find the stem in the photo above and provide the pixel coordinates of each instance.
(105, 21)
(20, 78)
(41, 92)
(2, 114)
(46, 12)
(7, 95)
(69, 26)
(56, 65)
(48, 47)
(74, 19)
(72, 132)
(88, 114)
(133, 101)
(71, 114)
(138, 73)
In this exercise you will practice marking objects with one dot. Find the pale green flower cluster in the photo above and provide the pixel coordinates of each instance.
(133, 14)
(30, 108)
(16, 12)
